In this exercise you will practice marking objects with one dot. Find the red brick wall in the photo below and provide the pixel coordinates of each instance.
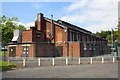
(74, 49)
(27, 36)
(60, 35)
(63, 49)
(18, 51)
(48, 30)
(45, 50)
(32, 50)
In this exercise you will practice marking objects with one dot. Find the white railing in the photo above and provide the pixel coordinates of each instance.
(64, 61)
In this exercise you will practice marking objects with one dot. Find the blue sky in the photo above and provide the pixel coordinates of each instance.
(27, 11)
(93, 15)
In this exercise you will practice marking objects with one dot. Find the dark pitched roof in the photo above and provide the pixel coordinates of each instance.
(64, 24)
(68, 25)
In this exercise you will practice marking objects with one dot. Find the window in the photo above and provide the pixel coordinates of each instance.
(94, 44)
(78, 37)
(71, 36)
(11, 49)
(38, 35)
(85, 47)
(90, 46)
(24, 48)
(25, 51)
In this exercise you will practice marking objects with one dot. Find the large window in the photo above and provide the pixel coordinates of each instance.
(71, 36)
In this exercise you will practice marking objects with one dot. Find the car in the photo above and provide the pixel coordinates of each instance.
(4, 48)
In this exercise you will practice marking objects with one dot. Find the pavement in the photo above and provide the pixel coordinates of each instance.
(108, 70)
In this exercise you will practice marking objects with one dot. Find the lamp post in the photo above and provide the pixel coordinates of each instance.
(111, 38)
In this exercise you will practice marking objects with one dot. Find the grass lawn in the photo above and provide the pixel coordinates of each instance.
(4, 65)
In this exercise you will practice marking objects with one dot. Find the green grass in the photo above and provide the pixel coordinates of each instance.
(3, 53)
(4, 65)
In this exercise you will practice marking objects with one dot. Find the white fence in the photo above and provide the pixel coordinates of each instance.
(33, 62)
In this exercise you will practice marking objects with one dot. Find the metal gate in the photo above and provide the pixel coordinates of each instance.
(12, 51)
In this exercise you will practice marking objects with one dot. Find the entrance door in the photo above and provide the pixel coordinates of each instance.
(25, 51)
(12, 51)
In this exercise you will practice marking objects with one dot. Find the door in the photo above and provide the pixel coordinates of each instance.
(12, 51)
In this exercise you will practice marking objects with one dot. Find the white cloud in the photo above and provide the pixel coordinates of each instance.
(94, 15)
(27, 25)
(31, 24)
(37, 5)
(76, 5)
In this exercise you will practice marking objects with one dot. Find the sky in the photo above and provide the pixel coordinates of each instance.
(93, 15)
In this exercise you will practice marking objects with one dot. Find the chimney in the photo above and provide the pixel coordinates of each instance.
(39, 21)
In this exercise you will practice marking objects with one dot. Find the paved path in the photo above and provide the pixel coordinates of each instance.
(75, 71)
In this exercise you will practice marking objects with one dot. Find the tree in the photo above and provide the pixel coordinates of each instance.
(7, 26)
(118, 32)
(107, 35)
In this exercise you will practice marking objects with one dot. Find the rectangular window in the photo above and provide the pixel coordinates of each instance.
(90, 46)
(85, 47)
(78, 37)
(38, 35)
(94, 44)
(71, 36)
(25, 51)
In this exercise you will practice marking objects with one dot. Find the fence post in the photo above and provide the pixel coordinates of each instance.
(102, 60)
(8, 62)
(113, 59)
(53, 62)
(66, 61)
(23, 62)
(38, 61)
(91, 60)
(79, 61)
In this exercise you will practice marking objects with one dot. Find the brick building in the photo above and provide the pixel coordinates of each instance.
(49, 38)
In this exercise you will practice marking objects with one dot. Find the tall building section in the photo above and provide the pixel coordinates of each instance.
(50, 38)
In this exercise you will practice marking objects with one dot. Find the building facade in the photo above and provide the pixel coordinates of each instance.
(50, 38)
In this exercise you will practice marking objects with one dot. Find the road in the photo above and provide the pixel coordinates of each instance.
(74, 71)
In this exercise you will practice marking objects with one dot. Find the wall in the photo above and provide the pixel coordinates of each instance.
(74, 49)
(27, 36)
(19, 50)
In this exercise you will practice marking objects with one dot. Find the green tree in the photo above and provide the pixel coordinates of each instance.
(118, 32)
(107, 35)
(7, 26)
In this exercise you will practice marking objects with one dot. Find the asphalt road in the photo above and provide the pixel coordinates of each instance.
(74, 71)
